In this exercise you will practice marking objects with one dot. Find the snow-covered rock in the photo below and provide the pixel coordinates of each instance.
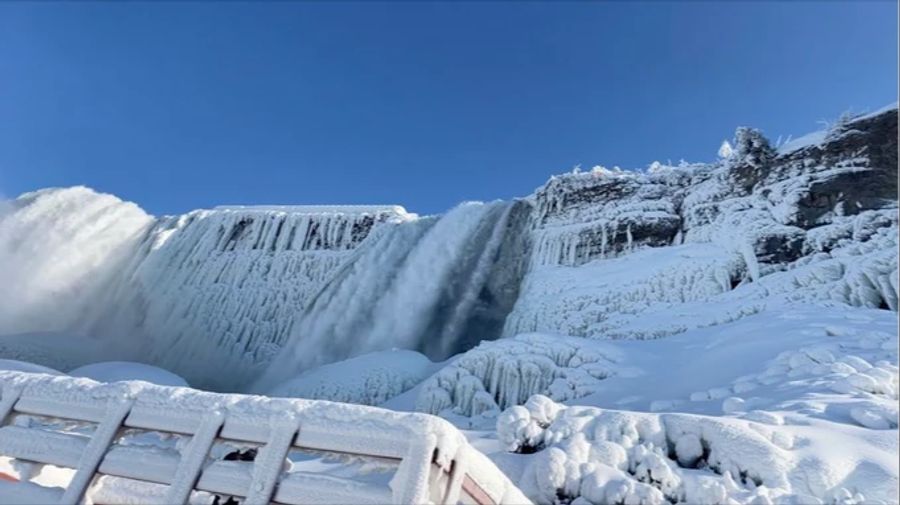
(609, 456)
(498, 374)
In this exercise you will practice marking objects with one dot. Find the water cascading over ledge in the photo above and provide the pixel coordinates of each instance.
(214, 295)
(437, 285)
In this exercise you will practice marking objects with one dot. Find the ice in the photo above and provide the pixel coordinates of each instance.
(511, 370)
(721, 332)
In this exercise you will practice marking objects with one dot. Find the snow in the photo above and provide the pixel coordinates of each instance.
(370, 379)
(114, 371)
(810, 139)
(790, 405)
(24, 366)
(49, 427)
(506, 372)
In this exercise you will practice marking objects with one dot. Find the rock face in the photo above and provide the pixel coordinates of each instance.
(230, 288)
(816, 220)
(772, 200)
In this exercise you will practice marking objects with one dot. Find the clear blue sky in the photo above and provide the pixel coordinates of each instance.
(186, 105)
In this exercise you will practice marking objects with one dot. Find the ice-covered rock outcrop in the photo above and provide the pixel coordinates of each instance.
(506, 372)
(816, 222)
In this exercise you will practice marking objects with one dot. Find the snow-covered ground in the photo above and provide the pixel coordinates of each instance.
(790, 405)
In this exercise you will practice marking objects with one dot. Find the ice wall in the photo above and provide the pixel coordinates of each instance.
(215, 294)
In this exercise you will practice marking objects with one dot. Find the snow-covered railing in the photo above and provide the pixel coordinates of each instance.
(83, 425)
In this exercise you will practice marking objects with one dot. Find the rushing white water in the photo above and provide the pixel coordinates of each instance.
(415, 287)
(58, 249)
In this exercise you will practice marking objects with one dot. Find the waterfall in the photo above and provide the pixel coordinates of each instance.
(58, 248)
(416, 286)
(221, 296)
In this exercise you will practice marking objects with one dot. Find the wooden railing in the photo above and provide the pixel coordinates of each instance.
(79, 424)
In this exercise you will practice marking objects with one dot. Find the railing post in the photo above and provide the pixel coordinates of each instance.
(191, 464)
(454, 482)
(414, 471)
(269, 461)
(10, 397)
(104, 435)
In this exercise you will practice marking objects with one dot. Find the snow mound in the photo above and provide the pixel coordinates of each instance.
(24, 366)
(115, 371)
(598, 456)
(507, 372)
(370, 379)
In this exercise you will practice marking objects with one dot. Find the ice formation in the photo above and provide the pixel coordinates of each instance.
(506, 372)
(423, 286)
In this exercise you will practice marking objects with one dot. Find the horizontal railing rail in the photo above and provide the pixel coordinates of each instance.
(431, 459)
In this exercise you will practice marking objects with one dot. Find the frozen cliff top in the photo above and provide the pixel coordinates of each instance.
(397, 210)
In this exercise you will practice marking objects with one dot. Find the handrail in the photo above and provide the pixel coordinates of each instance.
(433, 459)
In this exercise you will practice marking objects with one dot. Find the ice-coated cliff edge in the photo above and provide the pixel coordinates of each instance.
(215, 295)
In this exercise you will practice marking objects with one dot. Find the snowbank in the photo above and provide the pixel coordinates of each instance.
(601, 456)
(23, 366)
(115, 371)
(370, 379)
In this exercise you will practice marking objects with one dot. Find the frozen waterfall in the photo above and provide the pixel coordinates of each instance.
(430, 284)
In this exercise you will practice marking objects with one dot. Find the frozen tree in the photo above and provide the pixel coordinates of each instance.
(751, 147)
(840, 126)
